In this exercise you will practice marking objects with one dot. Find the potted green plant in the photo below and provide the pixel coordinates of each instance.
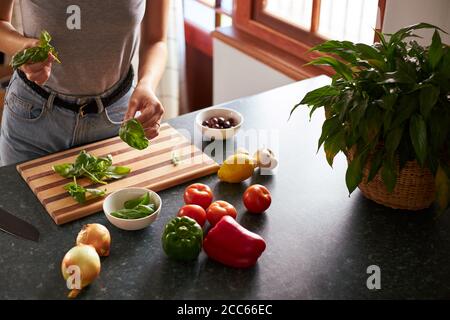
(388, 109)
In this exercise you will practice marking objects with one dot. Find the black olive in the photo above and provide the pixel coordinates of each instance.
(221, 120)
(214, 120)
(227, 124)
(205, 124)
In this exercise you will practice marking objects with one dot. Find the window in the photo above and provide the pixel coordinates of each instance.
(201, 17)
(208, 14)
(353, 20)
(297, 25)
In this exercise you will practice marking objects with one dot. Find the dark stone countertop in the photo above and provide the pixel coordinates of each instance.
(319, 241)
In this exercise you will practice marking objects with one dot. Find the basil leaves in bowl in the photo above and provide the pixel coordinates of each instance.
(132, 208)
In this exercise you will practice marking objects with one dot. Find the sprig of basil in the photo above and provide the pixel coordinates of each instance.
(97, 169)
(35, 54)
(80, 194)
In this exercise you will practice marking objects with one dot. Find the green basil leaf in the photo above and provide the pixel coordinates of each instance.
(132, 133)
(35, 54)
(65, 170)
(76, 191)
(139, 212)
(96, 169)
(418, 134)
(143, 200)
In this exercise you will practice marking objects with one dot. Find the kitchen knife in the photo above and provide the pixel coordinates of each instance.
(18, 227)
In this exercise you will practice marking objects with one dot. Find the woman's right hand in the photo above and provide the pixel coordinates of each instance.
(38, 72)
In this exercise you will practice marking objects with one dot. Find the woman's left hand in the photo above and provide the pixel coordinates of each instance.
(144, 100)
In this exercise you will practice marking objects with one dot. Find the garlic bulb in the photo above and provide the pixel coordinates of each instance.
(266, 159)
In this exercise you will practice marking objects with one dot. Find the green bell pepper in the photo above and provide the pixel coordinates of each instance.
(182, 238)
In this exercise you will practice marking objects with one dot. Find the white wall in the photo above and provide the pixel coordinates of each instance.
(401, 13)
(237, 75)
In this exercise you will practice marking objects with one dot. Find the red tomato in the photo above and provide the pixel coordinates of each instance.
(219, 209)
(193, 211)
(199, 194)
(257, 198)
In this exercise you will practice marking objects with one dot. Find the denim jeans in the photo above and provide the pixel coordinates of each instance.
(32, 126)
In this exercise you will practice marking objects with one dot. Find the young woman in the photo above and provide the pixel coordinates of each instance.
(51, 106)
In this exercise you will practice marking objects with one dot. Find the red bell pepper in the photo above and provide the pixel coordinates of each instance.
(233, 245)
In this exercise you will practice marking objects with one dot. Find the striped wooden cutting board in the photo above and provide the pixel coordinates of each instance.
(151, 168)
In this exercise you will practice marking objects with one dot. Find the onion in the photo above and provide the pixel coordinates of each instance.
(97, 236)
(80, 267)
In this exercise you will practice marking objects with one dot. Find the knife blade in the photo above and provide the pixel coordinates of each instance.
(18, 227)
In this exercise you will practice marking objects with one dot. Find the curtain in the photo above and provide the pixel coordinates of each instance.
(172, 90)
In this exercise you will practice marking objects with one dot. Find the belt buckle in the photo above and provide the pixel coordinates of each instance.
(81, 111)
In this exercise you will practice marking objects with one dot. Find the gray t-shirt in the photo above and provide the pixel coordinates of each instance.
(96, 40)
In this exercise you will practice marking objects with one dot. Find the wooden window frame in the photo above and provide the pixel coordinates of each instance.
(309, 37)
(200, 38)
(249, 16)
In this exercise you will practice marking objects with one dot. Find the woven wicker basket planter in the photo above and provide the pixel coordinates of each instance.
(415, 188)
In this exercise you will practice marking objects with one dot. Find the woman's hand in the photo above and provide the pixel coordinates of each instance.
(38, 72)
(144, 100)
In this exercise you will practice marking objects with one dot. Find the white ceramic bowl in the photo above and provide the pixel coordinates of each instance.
(115, 201)
(218, 134)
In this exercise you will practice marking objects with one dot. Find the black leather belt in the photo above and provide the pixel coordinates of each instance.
(91, 106)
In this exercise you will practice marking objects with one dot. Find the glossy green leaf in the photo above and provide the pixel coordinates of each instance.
(316, 98)
(405, 32)
(418, 134)
(97, 169)
(428, 97)
(376, 163)
(389, 173)
(367, 52)
(333, 145)
(133, 134)
(133, 203)
(329, 127)
(354, 175)
(405, 109)
(393, 140)
(338, 66)
(80, 194)
(436, 51)
(36, 54)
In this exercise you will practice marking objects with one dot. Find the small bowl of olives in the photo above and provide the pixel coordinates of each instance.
(219, 123)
